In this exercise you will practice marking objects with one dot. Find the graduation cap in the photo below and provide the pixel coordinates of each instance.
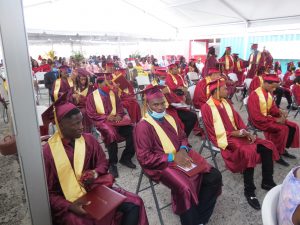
(271, 77)
(228, 48)
(153, 92)
(173, 65)
(192, 59)
(216, 84)
(161, 72)
(82, 72)
(110, 64)
(103, 76)
(56, 112)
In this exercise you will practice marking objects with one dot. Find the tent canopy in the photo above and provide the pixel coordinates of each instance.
(158, 18)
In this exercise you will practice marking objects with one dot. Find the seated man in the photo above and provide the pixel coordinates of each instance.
(160, 145)
(296, 88)
(179, 94)
(202, 90)
(104, 108)
(266, 116)
(62, 84)
(240, 150)
(288, 209)
(76, 160)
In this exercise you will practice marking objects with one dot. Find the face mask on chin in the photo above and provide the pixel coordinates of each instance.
(162, 82)
(157, 115)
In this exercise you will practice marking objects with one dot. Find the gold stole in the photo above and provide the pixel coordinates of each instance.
(70, 82)
(84, 92)
(5, 85)
(57, 86)
(68, 178)
(208, 80)
(238, 65)
(175, 80)
(261, 81)
(99, 103)
(163, 137)
(219, 128)
(264, 105)
(257, 58)
(227, 61)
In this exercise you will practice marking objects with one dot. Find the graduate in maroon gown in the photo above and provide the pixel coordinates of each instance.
(91, 169)
(62, 84)
(78, 95)
(128, 99)
(266, 116)
(257, 81)
(256, 60)
(202, 92)
(227, 61)
(179, 94)
(240, 150)
(193, 198)
(296, 88)
(239, 67)
(210, 62)
(104, 108)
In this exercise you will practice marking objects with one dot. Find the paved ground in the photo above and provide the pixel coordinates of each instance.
(231, 208)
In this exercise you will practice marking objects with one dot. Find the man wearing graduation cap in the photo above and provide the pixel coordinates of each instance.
(104, 108)
(239, 67)
(62, 84)
(256, 60)
(161, 145)
(210, 62)
(240, 150)
(179, 94)
(296, 87)
(227, 61)
(75, 164)
(266, 116)
(202, 92)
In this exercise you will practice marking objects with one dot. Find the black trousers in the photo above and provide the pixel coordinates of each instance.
(267, 170)
(128, 153)
(209, 192)
(130, 213)
(292, 132)
(279, 92)
(189, 120)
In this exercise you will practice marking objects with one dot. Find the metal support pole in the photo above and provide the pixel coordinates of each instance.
(17, 63)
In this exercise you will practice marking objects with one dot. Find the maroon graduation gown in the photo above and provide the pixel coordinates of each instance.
(296, 93)
(277, 133)
(86, 122)
(255, 66)
(64, 87)
(107, 129)
(130, 103)
(200, 95)
(211, 62)
(94, 160)
(154, 162)
(239, 154)
(255, 83)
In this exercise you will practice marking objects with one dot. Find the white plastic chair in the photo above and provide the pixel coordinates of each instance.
(191, 90)
(281, 76)
(193, 76)
(269, 206)
(142, 80)
(233, 77)
(247, 82)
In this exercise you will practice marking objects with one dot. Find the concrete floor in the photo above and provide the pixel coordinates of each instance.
(231, 207)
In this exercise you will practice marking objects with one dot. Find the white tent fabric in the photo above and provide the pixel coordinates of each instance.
(158, 18)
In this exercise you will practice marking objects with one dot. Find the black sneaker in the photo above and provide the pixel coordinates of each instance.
(288, 155)
(252, 201)
(128, 163)
(268, 186)
(113, 170)
(282, 162)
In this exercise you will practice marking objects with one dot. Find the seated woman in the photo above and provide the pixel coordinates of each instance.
(288, 211)
(77, 96)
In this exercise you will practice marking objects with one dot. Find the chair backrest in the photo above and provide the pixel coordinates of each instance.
(245, 100)
(191, 90)
(40, 109)
(269, 206)
(39, 76)
(247, 81)
(193, 76)
(142, 80)
(233, 77)
(281, 76)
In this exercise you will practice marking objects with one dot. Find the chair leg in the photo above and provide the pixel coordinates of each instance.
(139, 182)
(202, 146)
(156, 202)
(213, 156)
(298, 110)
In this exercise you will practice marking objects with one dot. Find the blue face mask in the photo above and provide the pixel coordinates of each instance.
(162, 82)
(157, 115)
(54, 69)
